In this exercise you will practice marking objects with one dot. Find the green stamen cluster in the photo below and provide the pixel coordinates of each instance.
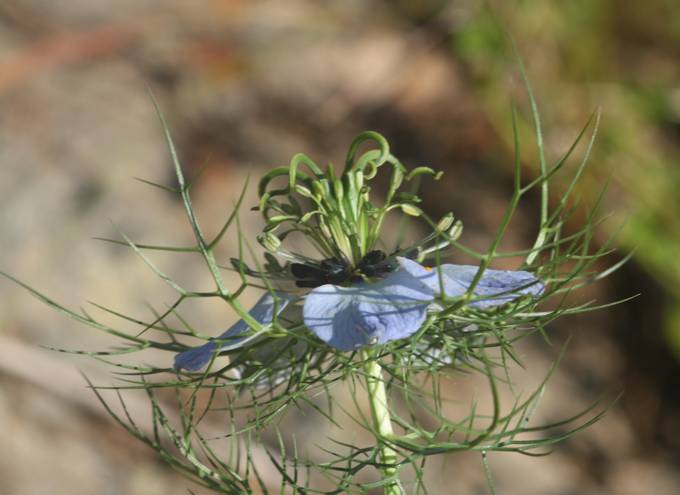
(335, 212)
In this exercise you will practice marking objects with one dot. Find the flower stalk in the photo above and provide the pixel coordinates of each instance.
(382, 422)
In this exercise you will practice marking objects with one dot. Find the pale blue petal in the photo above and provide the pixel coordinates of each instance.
(496, 287)
(195, 358)
(367, 313)
(263, 311)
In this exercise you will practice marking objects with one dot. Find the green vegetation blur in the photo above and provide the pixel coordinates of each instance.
(621, 56)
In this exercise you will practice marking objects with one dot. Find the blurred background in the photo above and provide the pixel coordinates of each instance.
(244, 85)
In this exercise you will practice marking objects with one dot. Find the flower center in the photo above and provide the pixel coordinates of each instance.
(375, 264)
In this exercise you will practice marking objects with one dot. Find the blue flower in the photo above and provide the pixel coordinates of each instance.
(197, 357)
(368, 313)
(396, 306)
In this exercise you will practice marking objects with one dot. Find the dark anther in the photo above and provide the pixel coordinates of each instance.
(375, 264)
(374, 257)
(337, 271)
(328, 271)
(300, 270)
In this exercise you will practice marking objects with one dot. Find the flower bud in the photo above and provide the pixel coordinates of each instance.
(445, 223)
(269, 241)
(410, 209)
(456, 230)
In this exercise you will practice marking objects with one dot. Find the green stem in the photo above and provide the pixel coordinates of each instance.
(380, 414)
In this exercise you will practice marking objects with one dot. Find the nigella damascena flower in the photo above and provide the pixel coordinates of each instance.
(376, 312)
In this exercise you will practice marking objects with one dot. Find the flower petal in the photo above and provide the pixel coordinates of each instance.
(263, 311)
(367, 313)
(275, 360)
(496, 287)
